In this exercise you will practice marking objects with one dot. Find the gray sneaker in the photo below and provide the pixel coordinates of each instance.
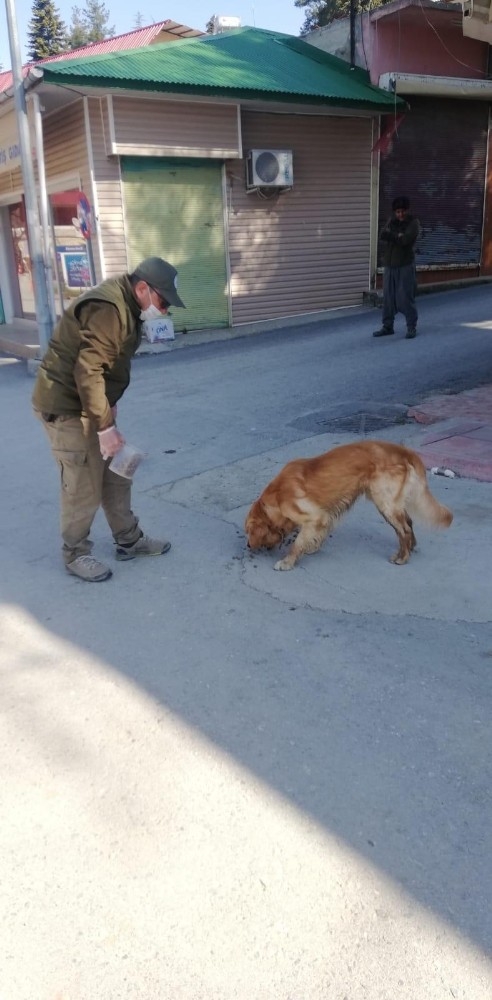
(88, 568)
(144, 547)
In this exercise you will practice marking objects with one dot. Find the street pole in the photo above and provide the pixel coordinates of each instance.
(44, 208)
(41, 298)
(352, 12)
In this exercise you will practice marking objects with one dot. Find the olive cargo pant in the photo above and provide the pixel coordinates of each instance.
(87, 483)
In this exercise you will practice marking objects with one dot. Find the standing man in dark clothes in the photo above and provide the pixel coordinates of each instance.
(399, 278)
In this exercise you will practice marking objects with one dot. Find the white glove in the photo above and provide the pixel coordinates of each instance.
(110, 441)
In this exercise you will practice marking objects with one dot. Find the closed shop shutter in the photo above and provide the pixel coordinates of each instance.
(438, 160)
(174, 209)
(307, 249)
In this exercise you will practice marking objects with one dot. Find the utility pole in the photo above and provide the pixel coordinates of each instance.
(41, 297)
(352, 33)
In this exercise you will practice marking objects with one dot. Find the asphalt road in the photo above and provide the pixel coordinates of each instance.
(225, 783)
(226, 400)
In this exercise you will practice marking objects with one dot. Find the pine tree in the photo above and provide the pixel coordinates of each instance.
(89, 24)
(47, 34)
(138, 22)
(78, 33)
(209, 27)
(96, 16)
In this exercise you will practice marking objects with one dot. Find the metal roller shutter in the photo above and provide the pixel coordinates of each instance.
(308, 249)
(438, 160)
(174, 209)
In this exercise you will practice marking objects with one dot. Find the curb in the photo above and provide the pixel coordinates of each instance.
(374, 296)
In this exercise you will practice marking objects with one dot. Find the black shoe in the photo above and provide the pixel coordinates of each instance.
(385, 331)
(411, 333)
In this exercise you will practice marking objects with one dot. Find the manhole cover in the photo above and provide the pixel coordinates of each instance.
(361, 422)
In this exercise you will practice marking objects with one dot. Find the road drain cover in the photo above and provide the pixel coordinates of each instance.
(360, 422)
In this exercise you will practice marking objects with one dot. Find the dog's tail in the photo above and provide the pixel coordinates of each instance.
(419, 501)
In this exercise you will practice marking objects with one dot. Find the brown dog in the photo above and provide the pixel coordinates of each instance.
(312, 493)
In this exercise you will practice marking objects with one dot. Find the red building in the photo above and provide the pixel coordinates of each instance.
(437, 153)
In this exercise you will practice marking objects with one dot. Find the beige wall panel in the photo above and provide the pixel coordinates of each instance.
(10, 157)
(307, 249)
(10, 181)
(65, 145)
(176, 128)
(107, 193)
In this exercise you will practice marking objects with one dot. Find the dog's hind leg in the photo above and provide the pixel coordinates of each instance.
(386, 501)
(309, 540)
(413, 540)
(387, 493)
(404, 532)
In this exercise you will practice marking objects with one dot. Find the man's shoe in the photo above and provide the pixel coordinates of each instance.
(385, 331)
(411, 333)
(144, 547)
(88, 568)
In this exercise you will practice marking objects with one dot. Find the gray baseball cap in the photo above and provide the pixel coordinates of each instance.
(162, 276)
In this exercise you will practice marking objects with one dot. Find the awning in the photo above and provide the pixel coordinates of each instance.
(436, 86)
(65, 199)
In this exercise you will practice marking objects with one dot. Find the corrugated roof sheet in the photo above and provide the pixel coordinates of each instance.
(244, 62)
(130, 40)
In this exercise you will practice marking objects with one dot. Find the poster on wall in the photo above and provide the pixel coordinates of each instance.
(74, 264)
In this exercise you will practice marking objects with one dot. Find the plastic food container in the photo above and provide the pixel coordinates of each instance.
(126, 461)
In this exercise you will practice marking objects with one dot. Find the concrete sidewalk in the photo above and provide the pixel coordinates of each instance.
(462, 439)
(21, 337)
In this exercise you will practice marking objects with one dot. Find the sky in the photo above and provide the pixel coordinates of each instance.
(274, 15)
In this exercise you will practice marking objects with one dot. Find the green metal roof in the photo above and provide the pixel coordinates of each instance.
(245, 63)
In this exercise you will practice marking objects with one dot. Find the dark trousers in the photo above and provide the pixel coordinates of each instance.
(399, 290)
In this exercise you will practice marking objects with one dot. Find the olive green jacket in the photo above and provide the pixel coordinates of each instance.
(86, 368)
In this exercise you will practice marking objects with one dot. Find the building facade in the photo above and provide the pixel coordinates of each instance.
(159, 146)
(437, 153)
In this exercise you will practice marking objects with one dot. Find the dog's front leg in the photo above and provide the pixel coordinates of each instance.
(289, 560)
(309, 539)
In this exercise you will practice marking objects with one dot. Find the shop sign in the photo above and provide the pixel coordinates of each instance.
(84, 217)
(10, 153)
(75, 266)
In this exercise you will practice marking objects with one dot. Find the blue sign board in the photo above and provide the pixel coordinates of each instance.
(76, 269)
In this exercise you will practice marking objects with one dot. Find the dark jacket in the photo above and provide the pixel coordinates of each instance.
(87, 365)
(399, 239)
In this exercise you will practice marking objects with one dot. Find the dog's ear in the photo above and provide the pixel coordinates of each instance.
(256, 511)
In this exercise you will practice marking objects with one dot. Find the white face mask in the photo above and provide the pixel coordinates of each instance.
(151, 312)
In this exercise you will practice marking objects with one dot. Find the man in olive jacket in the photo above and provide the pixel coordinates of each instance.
(399, 277)
(83, 374)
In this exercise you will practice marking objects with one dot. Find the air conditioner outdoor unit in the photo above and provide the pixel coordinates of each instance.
(270, 168)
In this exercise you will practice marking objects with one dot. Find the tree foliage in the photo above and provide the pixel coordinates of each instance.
(322, 12)
(46, 33)
(77, 35)
(209, 27)
(89, 24)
